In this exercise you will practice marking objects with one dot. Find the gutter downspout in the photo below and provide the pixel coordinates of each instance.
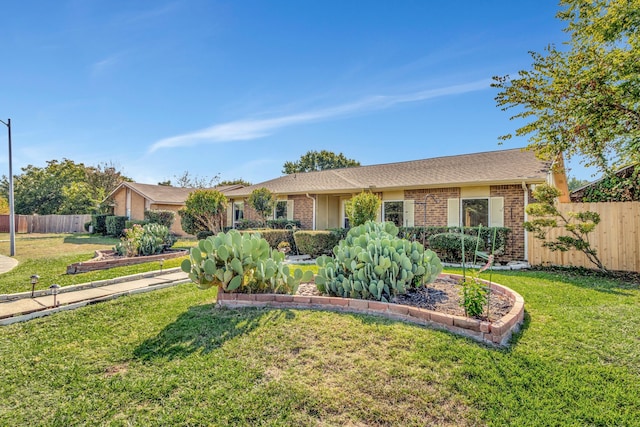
(314, 210)
(526, 218)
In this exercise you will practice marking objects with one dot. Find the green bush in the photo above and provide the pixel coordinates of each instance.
(162, 217)
(145, 240)
(204, 234)
(373, 263)
(99, 223)
(248, 224)
(241, 263)
(281, 224)
(473, 297)
(274, 237)
(485, 233)
(116, 225)
(341, 233)
(449, 246)
(363, 207)
(131, 222)
(315, 242)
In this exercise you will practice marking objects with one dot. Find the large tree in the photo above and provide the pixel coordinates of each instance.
(318, 161)
(583, 99)
(62, 187)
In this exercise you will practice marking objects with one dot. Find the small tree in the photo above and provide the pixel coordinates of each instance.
(578, 225)
(362, 208)
(263, 201)
(204, 210)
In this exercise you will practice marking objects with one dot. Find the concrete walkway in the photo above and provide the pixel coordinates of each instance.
(7, 263)
(21, 307)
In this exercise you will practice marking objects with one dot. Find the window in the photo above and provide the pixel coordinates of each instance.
(238, 211)
(394, 212)
(475, 212)
(280, 210)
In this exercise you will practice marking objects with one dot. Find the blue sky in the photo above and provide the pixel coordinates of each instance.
(237, 88)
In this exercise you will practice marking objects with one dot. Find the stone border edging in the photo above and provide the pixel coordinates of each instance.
(495, 333)
(100, 264)
(105, 282)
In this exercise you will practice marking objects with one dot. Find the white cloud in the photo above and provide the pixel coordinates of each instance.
(102, 66)
(257, 128)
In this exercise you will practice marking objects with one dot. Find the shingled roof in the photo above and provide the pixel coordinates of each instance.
(164, 194)
(494, 167)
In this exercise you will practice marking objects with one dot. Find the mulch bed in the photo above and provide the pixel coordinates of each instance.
(442, 296)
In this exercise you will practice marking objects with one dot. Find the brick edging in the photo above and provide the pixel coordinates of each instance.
(494, 333)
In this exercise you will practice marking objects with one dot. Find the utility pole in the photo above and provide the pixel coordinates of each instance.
(12, 220)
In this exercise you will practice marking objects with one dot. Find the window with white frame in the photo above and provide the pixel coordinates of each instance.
(472, 212)
(475, 212)
(238, 211)
(394, 211)
(280, 210)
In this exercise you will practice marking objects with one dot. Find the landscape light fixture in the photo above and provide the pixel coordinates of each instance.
(34, 282)
(161, 262)
(12, 223)
(54, 290)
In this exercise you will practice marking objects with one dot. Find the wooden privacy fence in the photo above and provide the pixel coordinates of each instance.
(616, 239)
(46, 223)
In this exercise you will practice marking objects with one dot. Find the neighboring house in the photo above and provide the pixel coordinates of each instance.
(132, 199)
(632, 192)
(490, 188)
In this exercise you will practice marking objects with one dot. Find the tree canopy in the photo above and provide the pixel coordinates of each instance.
(204, 211)
(62, 187)
(362, 207)
(583, 100)
(318, 161)
(263, 201)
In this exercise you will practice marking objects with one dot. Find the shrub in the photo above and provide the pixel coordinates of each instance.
(373, 263)
(87, 225)
(449, 246)
(204, 234)
(99, 223)
(162, 217)
(273, 237)
(241, 263)
(131, 222)
(474, 297)
(485, 233)
(315, 242)
(362, 207)
(145, 240)
(247, 224)
(340, 233)
(116, 225)
(280, 224)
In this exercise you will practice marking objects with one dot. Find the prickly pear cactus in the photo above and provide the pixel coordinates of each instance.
(373, 263)
(241, 263)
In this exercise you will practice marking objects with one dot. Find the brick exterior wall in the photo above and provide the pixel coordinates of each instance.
(303, 211)
(436, 210)
(513, 218)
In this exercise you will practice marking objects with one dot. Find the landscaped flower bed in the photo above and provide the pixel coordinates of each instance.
(109, 259)
(494, 333)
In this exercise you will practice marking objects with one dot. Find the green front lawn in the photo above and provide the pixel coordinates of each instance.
(170, 358)
(48, 255)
